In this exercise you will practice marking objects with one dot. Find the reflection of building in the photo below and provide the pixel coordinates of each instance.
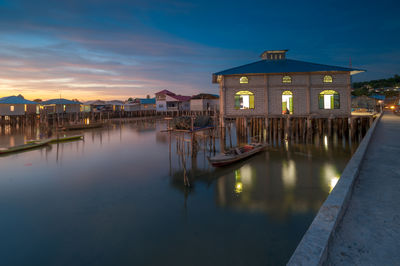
(276, 85)
(277, 186)
(169, 101)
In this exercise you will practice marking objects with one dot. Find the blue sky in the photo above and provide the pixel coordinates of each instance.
(117, 49)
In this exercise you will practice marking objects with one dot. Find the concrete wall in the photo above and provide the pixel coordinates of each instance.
(268, 89)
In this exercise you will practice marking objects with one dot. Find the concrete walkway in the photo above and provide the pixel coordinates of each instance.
(369, 233)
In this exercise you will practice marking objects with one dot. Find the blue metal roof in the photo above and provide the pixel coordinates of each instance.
(59, 101)
(15, 100)
(148, 101)
(283, 66)
(378, 97)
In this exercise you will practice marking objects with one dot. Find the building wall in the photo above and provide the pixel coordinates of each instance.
(268, 91)
(32, 109)
(201, 104)
(5, 109)
(59, 108)
(161, 105)
(184, 106)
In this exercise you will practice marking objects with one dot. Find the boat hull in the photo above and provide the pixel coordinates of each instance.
(218, 162)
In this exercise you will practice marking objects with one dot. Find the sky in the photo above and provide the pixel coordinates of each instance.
(119, 49)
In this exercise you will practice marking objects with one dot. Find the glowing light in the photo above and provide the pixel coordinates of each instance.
(245, 174)
(289, 174)
(333, 183)
(244, 80)
(239, 187)
(328, 79)
(326, 142)
(287, 79)
(330, 176)
(392, 107)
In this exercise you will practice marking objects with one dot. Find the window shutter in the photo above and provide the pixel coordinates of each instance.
(321, 101)
(251, 99)
(336, 101)
(283, 107)
(291, 104)
(237, 101)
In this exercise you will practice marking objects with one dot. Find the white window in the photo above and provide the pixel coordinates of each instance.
(12, 108)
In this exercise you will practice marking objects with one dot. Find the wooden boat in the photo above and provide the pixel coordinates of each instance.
(82, 126)
(24, 147)
(61, 139)
(68, 138)
(236, 154)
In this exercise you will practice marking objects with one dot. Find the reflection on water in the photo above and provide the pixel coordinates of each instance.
(119, 198)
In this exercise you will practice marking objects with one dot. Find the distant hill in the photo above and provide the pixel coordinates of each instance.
(379, 83)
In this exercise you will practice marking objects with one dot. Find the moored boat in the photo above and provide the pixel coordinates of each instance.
(82, 126)
(236, 154)
(24, 147)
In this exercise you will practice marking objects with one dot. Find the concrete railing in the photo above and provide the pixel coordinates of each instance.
(313, 248)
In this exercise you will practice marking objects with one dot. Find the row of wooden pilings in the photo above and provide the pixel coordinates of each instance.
(300, 129)
(82, 117)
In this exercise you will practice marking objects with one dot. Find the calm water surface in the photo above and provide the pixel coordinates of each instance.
(117, 198)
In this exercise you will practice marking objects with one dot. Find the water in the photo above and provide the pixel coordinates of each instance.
(118, 198)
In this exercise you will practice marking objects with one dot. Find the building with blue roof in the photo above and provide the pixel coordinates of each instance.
(17, 105)
(276, 86)
(61, 105)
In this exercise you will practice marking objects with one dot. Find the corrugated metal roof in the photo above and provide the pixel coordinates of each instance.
(59, 101)
(166, 92)
(283, 66)
(378, 97)
(15, 100)
(115, 102)
(148, 101)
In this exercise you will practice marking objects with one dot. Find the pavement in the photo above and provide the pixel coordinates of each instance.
(369, 233)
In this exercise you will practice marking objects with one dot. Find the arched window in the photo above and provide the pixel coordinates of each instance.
(244, 80)
(244, 100)
(328, 79)
(287, 102)
(329, 99)
(287, 79)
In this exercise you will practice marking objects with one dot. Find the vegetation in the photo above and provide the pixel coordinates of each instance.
(379, 83)
(365, 87)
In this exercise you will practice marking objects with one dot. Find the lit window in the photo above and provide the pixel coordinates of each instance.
(12, 108)
(244, 100)
(25, 107)
(329, 99)
(64, 107)
(287, 79)
(287, 102)
(244, 80)
(280, 56)
(328, 79)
